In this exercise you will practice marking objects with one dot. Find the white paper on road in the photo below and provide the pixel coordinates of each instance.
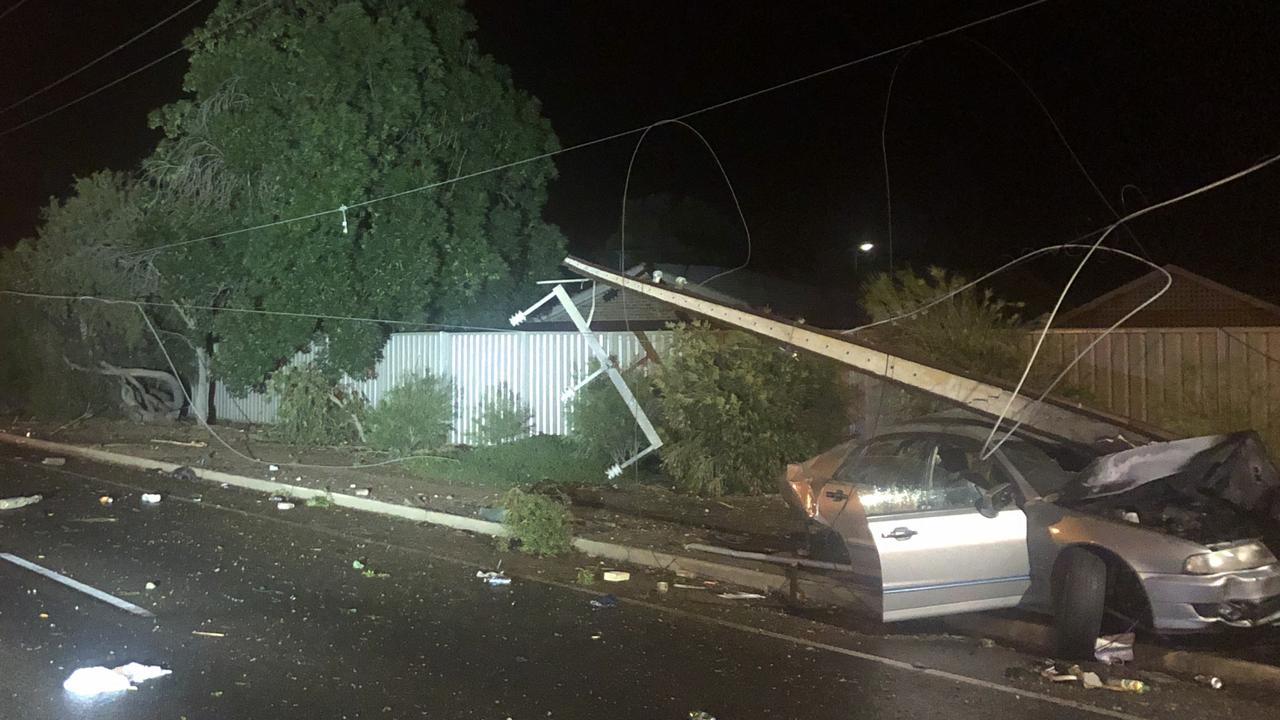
(92, 681)
(77, 585)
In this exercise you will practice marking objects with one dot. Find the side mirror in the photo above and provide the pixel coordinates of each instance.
(994, 500)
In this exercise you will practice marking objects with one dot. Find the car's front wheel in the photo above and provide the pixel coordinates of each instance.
(1079, 597)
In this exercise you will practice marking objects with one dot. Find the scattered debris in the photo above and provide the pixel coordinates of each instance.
(1112, 649)
(663, 586)
(273, 468)
(1051, 673)
(150, 585)
(357, 564)
(54, 461)
(93, 520)
(700, 715)
(586, 576)
(105, 500)
(1090, 680)
(684, 586)
(99, 680)
(44, 616)
(179, 443)
(1127, 685)
(493, 577)
(741, 596)
(206, 633)
(184, 473)
(13, 503)
(150, 498)
(616, 576)
(364, 492)
(282, 505)
(367, 571)
(986, 643)
(1212, 681)
(604, 601)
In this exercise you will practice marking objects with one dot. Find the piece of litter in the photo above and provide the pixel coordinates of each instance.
(13, 503)
(185, 474)
(364, 492)
(616, 576)
(55, 461)
(1212, 681)
(44, 616)
(206, 633)
(192, 444)
(741, 596)
(604, 601)
(93, 520)
(150, 585)
(91, 681)
(700, 715)
(285, 506)
(106, 500)
(684, 586)
(151, 498)
(493, 578)
(663, 586)
(1112, 649)
(986, 643)
(273, 468)
(1090, 680)
(1127, 685)
(357, 564)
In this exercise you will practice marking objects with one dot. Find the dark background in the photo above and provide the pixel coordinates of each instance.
(1163, 96)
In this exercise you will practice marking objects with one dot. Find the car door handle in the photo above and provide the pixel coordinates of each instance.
(836, 495)
(900, 533)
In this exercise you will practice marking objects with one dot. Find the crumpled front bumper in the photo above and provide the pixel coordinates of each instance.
(1248, 598)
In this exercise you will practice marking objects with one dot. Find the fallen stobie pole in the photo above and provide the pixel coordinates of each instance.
(1052, 417)
(765, 557)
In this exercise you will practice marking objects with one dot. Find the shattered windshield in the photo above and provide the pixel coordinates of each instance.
(1042, 471)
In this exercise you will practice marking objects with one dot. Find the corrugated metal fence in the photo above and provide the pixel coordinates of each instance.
(1176, 377)
(538, 366)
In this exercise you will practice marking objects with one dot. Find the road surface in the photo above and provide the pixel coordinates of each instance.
(259, 614)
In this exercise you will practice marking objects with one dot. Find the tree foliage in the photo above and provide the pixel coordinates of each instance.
(973, 330)
(735, 409)
(415, 415)
(601, 425)
(504, 417)
(309, 105)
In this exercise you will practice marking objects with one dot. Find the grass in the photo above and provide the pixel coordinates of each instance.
(542, 458)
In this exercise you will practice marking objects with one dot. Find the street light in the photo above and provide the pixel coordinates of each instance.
(867, 247)
(864, 248)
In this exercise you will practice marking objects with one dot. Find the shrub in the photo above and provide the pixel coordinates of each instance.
(736, 409)
(521, 462)
(602, 426)
(504, 417)
(538, 522)
(415, 416)
(313, 409)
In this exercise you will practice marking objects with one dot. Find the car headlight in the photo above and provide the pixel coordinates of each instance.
(1244, 556)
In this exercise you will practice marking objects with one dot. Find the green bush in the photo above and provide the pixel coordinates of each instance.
(538, 522)
(602, 426)
(736, 409)
(522, 462)
(415, 416)
(313, 409)
(504, 417)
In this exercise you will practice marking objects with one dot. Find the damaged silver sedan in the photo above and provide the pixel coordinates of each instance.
(1175, 536)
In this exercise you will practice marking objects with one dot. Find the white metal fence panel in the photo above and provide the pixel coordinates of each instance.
(538, 366)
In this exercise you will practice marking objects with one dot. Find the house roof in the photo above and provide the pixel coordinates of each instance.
(1191, 301)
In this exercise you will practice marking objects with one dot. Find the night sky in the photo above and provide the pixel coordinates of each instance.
(1160, 96)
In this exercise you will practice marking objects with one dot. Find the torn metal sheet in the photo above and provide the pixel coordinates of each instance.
(1234, 468)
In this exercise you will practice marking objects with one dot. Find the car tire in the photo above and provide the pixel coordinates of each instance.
(1079, 599)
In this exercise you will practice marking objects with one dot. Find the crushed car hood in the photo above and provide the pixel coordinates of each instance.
(1233, 469)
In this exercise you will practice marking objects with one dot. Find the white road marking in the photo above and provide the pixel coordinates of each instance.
(89, 590)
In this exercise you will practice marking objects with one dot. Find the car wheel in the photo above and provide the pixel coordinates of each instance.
(1079, 596)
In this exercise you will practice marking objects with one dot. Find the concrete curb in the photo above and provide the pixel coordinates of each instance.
(770, 579)
(767, 580)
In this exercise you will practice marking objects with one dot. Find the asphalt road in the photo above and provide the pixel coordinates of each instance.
(304, 635)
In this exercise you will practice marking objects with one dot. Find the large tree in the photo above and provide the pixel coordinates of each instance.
(307, 105)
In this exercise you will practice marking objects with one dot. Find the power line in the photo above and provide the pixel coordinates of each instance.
(251, 311)
(614, 136)
(100, 58)
(11, 8)
(124, 77)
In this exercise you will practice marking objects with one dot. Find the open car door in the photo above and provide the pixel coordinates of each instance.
(914, 500)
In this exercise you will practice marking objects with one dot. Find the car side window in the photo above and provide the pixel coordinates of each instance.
(898, 475)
